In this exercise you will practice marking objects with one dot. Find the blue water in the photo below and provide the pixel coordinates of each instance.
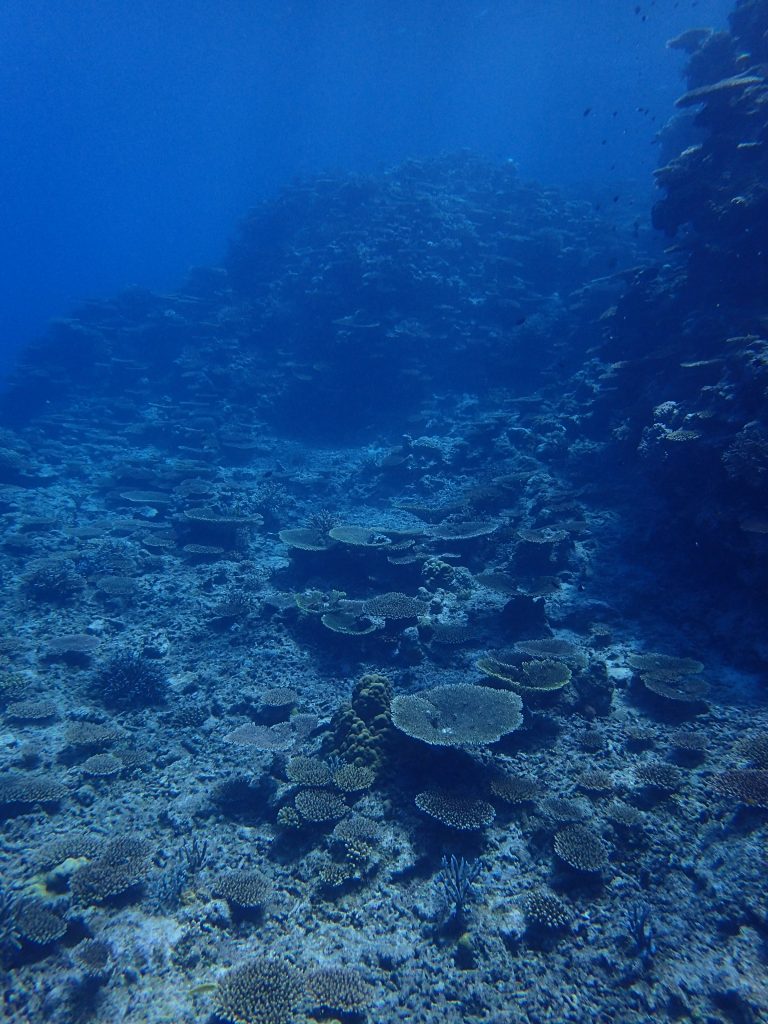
(134, 137)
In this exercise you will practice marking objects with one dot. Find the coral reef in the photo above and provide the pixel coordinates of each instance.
(405, 616)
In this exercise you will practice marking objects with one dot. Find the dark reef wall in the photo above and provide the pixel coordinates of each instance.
(346, 302)
(679, 391)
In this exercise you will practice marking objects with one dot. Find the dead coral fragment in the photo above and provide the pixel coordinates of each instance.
(461, 715)
(259, 991)
(460, 812)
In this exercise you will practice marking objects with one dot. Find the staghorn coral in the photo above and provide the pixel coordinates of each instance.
(394, 606)
(319, 805)
(352, 778)
(581, 849)
(120, 866)
(15, 790)
(659, 775)
(31, 710)
(754, 749)
(129, 680)
(515, 789)
(460, 715)
(465, 813)
(455, 880)
(308, 771)
(338, 991)
(259, 991)
(747, 786)
(37, 923)
(102, 766)
(52, 581)
(93, 957)
(245, 889)
(546, 911)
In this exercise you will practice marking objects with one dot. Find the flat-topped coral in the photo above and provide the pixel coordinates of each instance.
(455, 810)
(459, 715)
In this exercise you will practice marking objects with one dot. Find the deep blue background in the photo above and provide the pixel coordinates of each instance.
(135, 133)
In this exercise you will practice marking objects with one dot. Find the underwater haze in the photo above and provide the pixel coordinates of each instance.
(136, 134)
(383, 532)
